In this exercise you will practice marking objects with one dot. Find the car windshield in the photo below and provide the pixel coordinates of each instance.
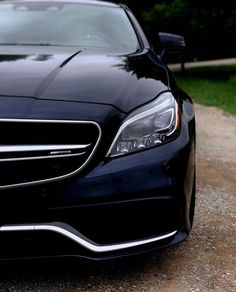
(66, 24)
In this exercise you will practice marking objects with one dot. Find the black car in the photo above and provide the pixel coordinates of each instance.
(97, 150)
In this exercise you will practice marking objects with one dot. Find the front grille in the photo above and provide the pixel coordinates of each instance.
(36, 151)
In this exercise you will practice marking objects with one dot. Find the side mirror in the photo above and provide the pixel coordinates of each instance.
(171, 44)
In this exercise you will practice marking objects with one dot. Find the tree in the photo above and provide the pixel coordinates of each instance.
(208, 26)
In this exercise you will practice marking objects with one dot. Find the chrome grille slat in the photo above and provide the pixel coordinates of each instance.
(41, 157)
(32, 148)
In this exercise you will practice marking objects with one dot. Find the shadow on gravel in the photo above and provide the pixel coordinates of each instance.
(138, 273)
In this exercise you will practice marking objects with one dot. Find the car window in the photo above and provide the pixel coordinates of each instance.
(66, 24)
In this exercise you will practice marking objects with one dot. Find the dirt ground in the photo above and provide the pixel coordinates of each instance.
(205, 262)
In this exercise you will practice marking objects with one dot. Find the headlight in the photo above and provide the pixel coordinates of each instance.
(147, 127)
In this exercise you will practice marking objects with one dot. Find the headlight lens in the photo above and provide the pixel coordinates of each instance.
(147, 127)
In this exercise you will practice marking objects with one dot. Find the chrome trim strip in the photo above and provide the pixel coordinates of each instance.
(72, 234)
(41, 157)
(56, 122)
(32, 148)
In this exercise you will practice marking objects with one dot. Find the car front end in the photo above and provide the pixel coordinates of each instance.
(97, 158)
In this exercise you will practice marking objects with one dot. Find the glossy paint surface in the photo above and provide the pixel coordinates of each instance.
(125, 82)
(112, 200)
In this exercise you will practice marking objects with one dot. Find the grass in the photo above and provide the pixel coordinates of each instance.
(211, 86)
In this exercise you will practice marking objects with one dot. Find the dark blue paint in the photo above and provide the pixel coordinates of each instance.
(99, 86)
(125, 82)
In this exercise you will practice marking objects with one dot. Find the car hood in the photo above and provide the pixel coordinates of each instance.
(85, 75)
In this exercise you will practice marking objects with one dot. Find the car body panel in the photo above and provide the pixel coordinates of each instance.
(136, 197)
(125, 82)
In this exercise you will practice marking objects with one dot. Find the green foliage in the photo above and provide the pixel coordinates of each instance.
(165, 13)
(231, 21)
(208, 27)
(211, 86)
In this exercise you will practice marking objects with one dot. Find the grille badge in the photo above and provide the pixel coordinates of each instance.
(62, 152)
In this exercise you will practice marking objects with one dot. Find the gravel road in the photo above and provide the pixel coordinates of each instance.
(205, 262)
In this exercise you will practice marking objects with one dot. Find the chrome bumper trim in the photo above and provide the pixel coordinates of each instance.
(69, 232)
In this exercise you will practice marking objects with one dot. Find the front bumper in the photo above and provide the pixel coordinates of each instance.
(119, 207)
